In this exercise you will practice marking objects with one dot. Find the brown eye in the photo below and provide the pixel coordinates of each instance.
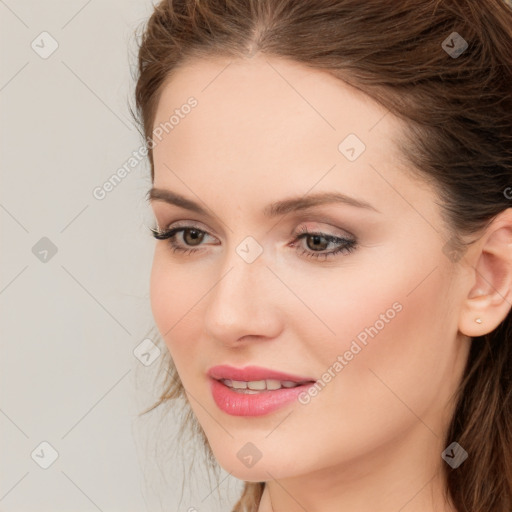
(316, 244)
(193, 236)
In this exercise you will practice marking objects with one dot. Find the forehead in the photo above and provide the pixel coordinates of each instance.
(264, 96)
(264, 121)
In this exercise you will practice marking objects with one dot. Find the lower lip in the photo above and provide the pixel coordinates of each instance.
(254, 404)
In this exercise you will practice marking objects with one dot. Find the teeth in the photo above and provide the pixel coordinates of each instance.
(288, 384)
(259, 385)
(271, 384)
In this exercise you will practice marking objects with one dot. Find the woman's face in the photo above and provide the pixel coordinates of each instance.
(379, 317)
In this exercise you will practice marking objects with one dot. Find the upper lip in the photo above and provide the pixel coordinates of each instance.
(252, 373)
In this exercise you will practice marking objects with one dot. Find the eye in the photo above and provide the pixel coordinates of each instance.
(317, 242)
(191, 235)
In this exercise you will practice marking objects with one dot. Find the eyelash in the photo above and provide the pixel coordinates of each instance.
(347, 244)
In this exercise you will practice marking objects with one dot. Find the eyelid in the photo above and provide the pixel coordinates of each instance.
(330, 230)
(186, 224)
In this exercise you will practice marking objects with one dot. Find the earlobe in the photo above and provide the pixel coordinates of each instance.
(490, 297)
(478, 317)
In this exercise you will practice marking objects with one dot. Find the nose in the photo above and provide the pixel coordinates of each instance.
(243, 304)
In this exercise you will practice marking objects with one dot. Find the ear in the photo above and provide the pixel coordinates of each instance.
(490, 295)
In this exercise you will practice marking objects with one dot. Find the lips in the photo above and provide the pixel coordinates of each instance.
(254, 373)
(253, 390)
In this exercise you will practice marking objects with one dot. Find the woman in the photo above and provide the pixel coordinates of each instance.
(332, 186)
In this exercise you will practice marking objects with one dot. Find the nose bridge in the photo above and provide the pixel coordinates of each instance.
(239, 303)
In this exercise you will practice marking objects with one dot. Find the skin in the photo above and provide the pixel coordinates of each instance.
(266, 129)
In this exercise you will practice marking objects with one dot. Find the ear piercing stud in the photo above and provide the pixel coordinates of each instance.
(478, 320)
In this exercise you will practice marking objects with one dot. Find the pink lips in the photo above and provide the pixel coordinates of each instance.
(238, 403)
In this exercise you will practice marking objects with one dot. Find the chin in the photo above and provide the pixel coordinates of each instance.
(232, 463)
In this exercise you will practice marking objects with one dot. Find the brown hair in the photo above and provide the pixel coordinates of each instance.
(458, 110)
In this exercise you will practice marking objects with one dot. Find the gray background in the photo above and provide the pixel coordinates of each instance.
(74, 274)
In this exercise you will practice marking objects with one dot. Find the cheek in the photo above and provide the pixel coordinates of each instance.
(393, 349)
(160, 298)
(391, 309)
(177, 295)
(340, 306)
(172, 298)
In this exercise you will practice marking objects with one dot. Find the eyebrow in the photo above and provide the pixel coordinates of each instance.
(275, 209)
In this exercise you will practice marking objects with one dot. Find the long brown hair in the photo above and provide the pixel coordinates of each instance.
(458, 109)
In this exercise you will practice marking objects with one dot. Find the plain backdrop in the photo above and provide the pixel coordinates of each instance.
(74, 275)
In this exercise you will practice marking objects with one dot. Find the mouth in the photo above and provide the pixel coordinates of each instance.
(253, 390)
